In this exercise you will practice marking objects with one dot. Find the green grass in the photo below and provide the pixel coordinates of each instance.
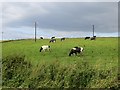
(100, 52)
(101, 56)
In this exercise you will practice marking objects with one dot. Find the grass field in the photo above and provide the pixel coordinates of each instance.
(101, 54)
(102, 51)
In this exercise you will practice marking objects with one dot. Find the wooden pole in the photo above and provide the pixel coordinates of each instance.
(35, 31)
(93, 30)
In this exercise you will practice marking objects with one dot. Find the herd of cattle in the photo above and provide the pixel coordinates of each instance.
(74, 50)
(62, 39)
(53, 39)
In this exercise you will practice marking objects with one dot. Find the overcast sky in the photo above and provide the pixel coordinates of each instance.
(60, 19)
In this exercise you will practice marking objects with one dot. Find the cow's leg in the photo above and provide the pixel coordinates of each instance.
(41, 49)
(75, 53)
(49, 49)
(70, 53)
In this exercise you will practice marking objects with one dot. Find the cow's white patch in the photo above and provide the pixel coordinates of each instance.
(74, 48)
(45, 47)
(81, 49)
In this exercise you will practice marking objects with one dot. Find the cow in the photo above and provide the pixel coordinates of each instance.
(76, 50)
(62, 39)
(52, 40)
(93, 38)
(41, 37)
(44, 48)
(52, 37)
(87, 38)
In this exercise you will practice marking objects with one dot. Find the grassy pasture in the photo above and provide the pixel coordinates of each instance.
(101, 54)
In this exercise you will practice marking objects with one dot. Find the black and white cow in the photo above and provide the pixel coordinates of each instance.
(62, 39)
(87, 38)
(41, 37)
(76, 50)
(52, 40)
(52, 37)
(93, 38)
(44, 48)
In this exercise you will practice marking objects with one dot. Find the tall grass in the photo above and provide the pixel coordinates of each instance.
(15, 71)
(18, 73)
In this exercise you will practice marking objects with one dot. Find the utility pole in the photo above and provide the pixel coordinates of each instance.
(35, 31)
(93, 30)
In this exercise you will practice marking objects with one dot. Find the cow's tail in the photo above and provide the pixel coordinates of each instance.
(41, 49)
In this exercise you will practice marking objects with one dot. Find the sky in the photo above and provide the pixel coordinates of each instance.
(59, 19)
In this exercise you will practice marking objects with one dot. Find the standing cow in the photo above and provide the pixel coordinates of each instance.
(44, 48)
(76, 50)
(52, 40)
(87, 38)
(93, 38)
(52, 37)
(41, 37)
(62, 39)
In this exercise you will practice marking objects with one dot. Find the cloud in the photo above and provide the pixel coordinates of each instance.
(62, 17)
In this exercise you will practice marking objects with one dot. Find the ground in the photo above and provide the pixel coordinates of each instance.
(101, 54)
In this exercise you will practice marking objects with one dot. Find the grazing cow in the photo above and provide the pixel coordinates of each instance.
(52, 37)
(44, 47)
(41, 37)
(62, 39)
(87, 38)
(52, 40)
(76, 50)
(93, 38)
